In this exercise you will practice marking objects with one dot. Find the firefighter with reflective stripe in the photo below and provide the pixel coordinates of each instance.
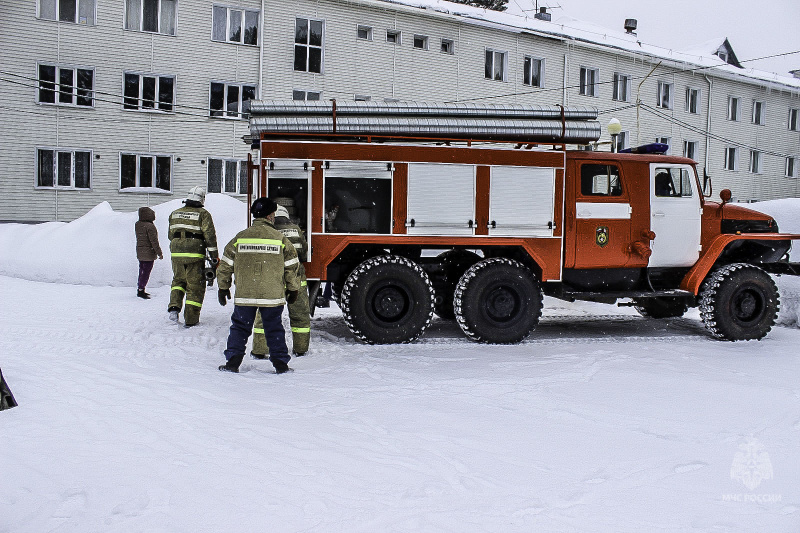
(191, 235)
(299, 311)
(265, 266)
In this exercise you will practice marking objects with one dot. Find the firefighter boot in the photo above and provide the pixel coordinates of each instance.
(232, 365)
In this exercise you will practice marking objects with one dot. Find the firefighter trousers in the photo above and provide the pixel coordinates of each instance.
(187, 280)
(299, 320)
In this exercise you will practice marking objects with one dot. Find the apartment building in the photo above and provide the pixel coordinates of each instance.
(135, 101)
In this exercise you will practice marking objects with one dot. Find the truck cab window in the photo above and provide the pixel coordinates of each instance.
(600, 180)
(672, 182)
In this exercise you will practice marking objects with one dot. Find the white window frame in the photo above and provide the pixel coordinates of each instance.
(137, 188)
(621, 84)
(695, 147)
(758, 116)
(527, 70)
(667, 141)
(394, 37)
(308, 46)
(240, 163)
(731, 151)
(57, 86)
(794, 119)
(141, 18)
(756, 162)
(423, 38)
(447, 46)
(669, 89)
(238, 115)
(790, 167)
(623, 140)
(688, 107)
(588, 87)
(305, 93)
(140, 100)
(77, 3)
(734, 108)
(243, 28)
(495, 54)
(367, 29)
(56, 151)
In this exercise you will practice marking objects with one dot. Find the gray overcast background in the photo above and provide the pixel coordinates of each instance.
(754, 28)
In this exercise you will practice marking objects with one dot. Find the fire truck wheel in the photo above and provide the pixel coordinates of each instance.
(499, 301)
(739, 302)
(386, 300)
(453, 263)
(660, 307)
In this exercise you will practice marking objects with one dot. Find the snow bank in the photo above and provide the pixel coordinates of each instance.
(100, 247)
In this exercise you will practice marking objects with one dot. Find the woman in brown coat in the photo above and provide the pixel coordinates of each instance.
(147, 248)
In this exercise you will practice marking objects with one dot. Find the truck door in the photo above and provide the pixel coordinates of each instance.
(288, 183)
(675, 215)
(441, 199)
(521, 201)
(602, 216)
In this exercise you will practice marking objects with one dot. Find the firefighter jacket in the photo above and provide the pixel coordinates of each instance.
(295, 235)
(264, 263)
(191, 234)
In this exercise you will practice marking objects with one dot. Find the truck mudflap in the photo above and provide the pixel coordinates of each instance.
(694, 278)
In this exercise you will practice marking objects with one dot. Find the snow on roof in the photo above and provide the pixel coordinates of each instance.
(573, 29)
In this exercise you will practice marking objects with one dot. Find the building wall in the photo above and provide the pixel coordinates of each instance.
(351, 66)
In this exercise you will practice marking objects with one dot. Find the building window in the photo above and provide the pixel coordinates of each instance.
(63, 169)
(622, 87)
(791, 167)
(78, 11)
(664, 95)
(692, 100)
(667, 141)
(65, 86)
(305, 95)
(794, 122)
(234, 25)
(731, 158)
(394, 37)
(755, 162)
(623, 140)
(364, 32)
(156, 16)
(308, 45)
(227, 175)
(361, 98)
(495, 67)
(589, 81)
(690, 149)
(448, 46)
(733, 108)
(421, 42)
(226, 99)
(533, 72)
(147, 171)
(148, 92)
(758, 113)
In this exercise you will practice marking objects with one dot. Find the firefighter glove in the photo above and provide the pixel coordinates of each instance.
(291, 296)
(224, 295)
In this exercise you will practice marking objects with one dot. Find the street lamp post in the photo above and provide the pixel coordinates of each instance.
(614, 129)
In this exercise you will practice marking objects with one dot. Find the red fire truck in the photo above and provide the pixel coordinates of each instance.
(479, 231)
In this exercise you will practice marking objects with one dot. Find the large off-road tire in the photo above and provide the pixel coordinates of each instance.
(386, 300)
(667, 307)
(498, 300)
(739, 302)
(454, 263)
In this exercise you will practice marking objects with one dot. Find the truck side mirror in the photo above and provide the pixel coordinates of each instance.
(725, 196)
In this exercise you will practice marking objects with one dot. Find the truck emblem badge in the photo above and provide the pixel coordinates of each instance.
(601, 236)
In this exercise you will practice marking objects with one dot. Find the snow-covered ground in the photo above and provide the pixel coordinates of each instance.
(602, 421)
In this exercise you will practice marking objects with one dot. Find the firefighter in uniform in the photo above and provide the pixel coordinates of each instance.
(191, 235)
(266, 269)
(299, 311)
